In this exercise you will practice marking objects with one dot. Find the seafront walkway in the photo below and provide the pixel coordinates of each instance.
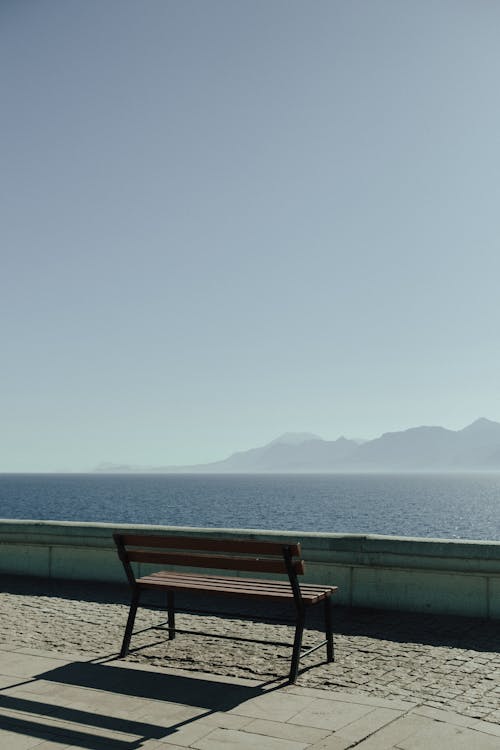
(400, 680)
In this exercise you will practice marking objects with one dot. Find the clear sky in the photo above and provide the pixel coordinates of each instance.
(221, 221)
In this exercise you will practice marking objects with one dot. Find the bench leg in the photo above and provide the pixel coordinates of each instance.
(328, 629)
(297, 645)
(171, 615)
(134, 603)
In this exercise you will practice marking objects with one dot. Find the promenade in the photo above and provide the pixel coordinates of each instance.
(400, 680)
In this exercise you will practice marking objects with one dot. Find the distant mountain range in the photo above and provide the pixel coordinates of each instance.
(475, 447)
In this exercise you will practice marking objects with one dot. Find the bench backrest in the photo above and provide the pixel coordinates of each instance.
(200, 552)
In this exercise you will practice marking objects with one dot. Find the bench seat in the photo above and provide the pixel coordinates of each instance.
(255, 588)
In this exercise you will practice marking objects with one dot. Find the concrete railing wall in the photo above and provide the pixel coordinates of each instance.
(400, 573)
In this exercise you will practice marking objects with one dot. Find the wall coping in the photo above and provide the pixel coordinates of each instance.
(99, 534)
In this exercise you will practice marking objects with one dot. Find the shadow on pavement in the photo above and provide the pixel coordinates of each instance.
(191, 691)
(91, 729)
(452, 631)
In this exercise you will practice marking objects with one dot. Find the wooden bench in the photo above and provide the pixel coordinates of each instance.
(224, 554)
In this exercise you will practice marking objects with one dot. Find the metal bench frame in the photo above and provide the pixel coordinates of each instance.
(224, 554)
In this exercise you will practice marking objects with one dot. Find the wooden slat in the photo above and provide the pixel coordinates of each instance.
(195, 560)
(239, 546)
(231, 582)
(214, 583)
(266, 581)
(199, 580)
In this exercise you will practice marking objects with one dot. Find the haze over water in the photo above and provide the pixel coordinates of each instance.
(463, 506)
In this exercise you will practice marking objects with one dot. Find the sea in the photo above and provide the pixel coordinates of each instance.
(451, 506)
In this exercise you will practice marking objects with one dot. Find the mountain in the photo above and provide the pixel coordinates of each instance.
(476, 446)
(479, 443)
(424, 448)
(294, 438)
(413, 449)
(289, 453)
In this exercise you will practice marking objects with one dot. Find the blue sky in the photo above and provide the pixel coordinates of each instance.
(226, 220)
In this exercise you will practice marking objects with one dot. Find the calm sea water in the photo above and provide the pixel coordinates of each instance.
(465, 506)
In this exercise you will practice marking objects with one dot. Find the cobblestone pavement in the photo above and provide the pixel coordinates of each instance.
(450, 663)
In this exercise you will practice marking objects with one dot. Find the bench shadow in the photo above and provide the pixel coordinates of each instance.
(185, 700)
(203, 693)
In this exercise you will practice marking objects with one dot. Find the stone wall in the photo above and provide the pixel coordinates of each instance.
(426, 575)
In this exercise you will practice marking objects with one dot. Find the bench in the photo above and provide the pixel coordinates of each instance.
(239, 555)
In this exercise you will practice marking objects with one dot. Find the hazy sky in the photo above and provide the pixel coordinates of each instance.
(222, 220)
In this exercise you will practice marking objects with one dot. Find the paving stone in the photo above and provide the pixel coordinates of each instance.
(487, 727)
(369, 724)
(447, 737)
(234, 740)
(332, 742)
(184, 734)
(445, 716)
(360, 698)
(6, 682)
(274, 706)
(286, 731)
(164, 715)
(395, 733)
(330, 715)
(25, 665)
(155, 745)
(16, 741)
